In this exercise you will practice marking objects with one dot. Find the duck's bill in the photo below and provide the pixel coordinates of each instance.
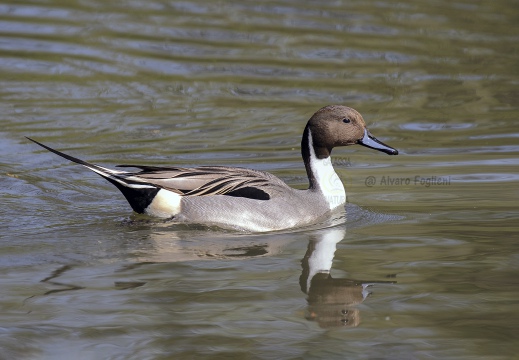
(373, 143)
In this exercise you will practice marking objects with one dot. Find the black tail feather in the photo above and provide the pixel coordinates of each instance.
(68, 157)
(139, 199)
(138, 195)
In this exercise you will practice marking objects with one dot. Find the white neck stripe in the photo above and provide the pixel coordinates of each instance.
(326, 179)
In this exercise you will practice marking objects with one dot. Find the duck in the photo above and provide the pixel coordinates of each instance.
(241, 198)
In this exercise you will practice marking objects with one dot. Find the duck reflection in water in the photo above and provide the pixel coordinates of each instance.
(331, 302)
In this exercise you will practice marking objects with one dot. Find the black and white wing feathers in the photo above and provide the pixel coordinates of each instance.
(198, 181)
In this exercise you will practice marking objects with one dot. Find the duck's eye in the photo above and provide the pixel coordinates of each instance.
(346, 120)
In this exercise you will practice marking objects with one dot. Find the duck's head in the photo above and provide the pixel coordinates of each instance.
(336, 125)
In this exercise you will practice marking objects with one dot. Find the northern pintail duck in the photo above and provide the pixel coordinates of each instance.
(243, 198)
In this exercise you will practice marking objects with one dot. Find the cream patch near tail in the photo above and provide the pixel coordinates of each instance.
(165, 204)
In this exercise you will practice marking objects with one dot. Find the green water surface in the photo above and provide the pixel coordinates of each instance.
(433, 231)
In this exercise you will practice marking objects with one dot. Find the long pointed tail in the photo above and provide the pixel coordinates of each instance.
(138, 194)
(104, 172)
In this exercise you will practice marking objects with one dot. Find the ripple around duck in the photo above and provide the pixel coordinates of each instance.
(203, 82)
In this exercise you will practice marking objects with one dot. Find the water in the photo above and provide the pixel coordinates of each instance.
(426, 264)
